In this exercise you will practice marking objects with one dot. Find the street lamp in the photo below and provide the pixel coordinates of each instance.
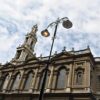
(66, 24)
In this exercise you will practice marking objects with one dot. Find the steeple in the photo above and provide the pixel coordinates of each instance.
(25, 51)
(31, 38)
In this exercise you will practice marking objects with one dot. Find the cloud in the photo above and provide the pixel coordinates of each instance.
(17, 18)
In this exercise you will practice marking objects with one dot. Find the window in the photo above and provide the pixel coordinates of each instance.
(26, 39)
(41, 80)
(98, 83)
(31, 43)
(61, 79)
(28, 81)
(79, 76)
(16, 82)
(99, 78)
(5, 82)
(18, 54)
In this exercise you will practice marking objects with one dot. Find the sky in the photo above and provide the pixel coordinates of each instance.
(18, 16)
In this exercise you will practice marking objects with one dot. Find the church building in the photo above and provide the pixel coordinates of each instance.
(72, 75)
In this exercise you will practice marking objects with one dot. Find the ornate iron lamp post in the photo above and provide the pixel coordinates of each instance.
(66, 24)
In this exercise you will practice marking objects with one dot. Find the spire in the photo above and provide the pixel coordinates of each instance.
(31, 38)
(25, 51)
(34, 29)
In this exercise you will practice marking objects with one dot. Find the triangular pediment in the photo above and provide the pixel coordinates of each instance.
(8, 64)
(62, 55)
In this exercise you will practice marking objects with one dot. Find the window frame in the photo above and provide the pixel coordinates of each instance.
(13, 88)
(77, 72)
(40, 75)
(26, 79)
(57, 78)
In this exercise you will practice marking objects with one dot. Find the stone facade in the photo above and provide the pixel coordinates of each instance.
(72, 75)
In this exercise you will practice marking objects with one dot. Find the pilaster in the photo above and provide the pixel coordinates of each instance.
(21, 79)
(7, 82)
(50, 80)
(68, 79)
(34, 81)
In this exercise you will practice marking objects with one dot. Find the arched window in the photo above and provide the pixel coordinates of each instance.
(61, 79)
(18, 54)
(98, 83)
(16, 82)
(41, 79)
(79, 76)
(28, 81)
(5, 83)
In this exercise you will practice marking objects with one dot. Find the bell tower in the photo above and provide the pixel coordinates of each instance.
(25, 51)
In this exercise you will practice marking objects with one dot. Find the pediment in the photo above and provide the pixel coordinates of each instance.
(8, 64)
(62, 55)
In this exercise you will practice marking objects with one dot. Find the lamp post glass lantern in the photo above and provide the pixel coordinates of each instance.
(45, 33)
(66, 24)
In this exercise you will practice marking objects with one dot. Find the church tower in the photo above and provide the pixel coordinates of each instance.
(25, 51)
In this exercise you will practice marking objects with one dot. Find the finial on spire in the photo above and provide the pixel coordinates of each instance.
(34, 29)
(64, 48)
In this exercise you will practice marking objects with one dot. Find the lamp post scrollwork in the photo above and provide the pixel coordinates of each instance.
(66, 24)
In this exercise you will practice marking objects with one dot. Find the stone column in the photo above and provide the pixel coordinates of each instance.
(37, 82)
(34, 81)
(24, 77)
(21, 80)
(54, 79)
(87, 76)
(0, 80)
(7, 82)
(10, 82)
(69, 77)
(50, 80)
(73, 76)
